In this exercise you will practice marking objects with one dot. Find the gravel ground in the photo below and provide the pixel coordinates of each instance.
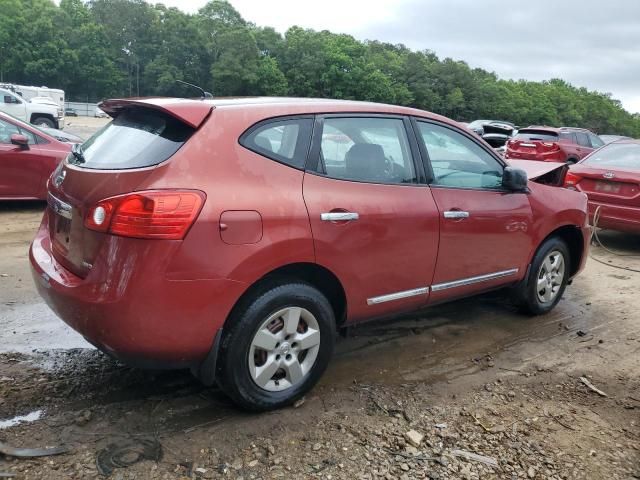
(462, 391)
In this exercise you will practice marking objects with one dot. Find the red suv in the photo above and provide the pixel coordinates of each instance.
(235, 236)
(566, 145)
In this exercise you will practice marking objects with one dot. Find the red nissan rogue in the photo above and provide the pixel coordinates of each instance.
(235, 236)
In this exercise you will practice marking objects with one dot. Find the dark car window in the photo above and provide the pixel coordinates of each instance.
(367, 149)
(583, 139)
(137, 137)
(458, 161)
(569, 137)
(286, 141)
(527, 135)
(595, 141)
(616, 155)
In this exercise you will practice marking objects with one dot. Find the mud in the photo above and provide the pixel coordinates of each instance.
(474, 376)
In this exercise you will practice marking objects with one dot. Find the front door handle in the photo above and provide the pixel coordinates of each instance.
(339, 216)
(456, 214)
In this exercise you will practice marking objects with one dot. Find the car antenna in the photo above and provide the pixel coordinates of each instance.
(204, 93)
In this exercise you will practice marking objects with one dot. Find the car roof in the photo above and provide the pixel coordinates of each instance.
(193, 111)
(555, 129)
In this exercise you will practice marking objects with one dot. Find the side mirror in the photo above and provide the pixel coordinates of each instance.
(20, 140)
(514, 179)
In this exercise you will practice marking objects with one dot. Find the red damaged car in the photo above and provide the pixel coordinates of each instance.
(28, 155)
(235, 236)
(548, 144)
(611, 179)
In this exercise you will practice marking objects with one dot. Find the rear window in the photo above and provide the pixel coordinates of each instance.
(616, 155)
(136, 138)
(540, 135)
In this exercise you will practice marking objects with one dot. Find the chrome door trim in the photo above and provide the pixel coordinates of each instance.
(456, 214)
(339, 216)
(472, 280)
(61, 208)
(397, 296)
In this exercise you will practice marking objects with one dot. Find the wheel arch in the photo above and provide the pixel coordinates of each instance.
(314, 274)
(572, 236)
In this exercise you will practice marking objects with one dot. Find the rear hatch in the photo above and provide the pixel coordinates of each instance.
(114, 161)
(610, 175)
(533, 144)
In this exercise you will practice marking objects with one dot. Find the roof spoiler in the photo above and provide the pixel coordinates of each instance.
(191, 112)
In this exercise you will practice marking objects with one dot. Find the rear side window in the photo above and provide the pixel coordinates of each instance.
(595, 141)
(540, 135)
(139, 137)
(285, 141)
(374, 150)
(569, 137)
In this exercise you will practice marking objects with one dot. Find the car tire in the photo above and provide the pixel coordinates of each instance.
(44, 122)
(276, 346)
(547, 278)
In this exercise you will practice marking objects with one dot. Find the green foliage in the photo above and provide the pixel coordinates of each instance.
(95, 49)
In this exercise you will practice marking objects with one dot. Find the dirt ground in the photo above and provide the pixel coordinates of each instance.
(472, 377)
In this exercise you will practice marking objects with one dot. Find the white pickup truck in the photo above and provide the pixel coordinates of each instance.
(39, 114)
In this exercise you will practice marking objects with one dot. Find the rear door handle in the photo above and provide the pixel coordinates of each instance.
(456, 214)
(339, 216)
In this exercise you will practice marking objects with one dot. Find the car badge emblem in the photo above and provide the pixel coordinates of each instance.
(608, 175)
(58, 179)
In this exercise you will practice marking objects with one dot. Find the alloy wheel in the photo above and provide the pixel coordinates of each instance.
(550, 277)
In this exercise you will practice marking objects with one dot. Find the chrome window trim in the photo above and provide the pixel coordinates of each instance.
(472, 280)
(397, 296)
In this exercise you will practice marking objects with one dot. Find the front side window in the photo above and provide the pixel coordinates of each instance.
(583, 139)
(6, 130)
(366, 149)
(595, 141)
(286, 141)
(458, 161)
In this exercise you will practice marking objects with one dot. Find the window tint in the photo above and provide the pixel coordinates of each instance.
(138, 137)
(595, 141)
(616, 155)
(458, 161)
(583, 139)
(6, 130)
(367, 150)
(285, 141)
(568, 136)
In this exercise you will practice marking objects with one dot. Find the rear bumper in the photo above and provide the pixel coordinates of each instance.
(615, 217)
(126, 306)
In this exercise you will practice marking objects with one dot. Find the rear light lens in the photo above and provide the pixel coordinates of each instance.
(571, 180)
(160, 214)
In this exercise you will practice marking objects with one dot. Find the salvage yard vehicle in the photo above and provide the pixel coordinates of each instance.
(28, 155)
(611, 179)
(548, 144)
(495, 132)
(236, 236)
(40, 114)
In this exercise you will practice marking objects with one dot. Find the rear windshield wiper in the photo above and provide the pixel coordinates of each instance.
(77, 152)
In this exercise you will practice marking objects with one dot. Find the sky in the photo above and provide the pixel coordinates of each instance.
(589, 43)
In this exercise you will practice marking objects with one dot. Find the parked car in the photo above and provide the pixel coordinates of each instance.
(235, 236)
(71, 112)
(611, 179)
(548, 144)
(40, 114)
(495, 132)
(27, 158)
(61, 136)
(612, 138)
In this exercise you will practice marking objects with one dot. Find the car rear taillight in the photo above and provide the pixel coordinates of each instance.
(571, 180)
(160, 214)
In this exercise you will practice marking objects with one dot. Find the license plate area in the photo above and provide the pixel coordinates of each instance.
(608, 187)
